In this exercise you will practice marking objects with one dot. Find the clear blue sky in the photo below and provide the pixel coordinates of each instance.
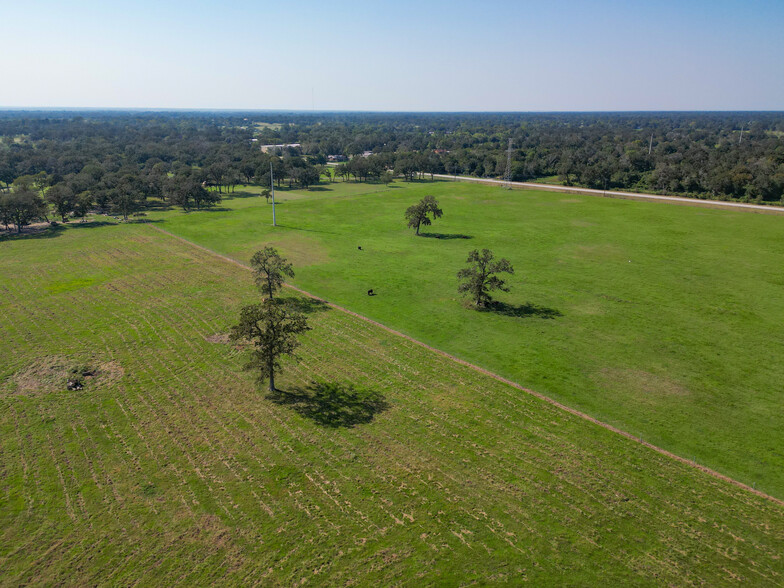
(394, 55)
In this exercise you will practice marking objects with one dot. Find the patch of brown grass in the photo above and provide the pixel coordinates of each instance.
(51, 374)
(108, 373)
(42, 376)
(644, 384)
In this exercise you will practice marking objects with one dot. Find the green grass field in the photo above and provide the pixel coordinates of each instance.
(666, 321)
(171, 467)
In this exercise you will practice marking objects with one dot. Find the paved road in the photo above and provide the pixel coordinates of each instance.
(612, 194)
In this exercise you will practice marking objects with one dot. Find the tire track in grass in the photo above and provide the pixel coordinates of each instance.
(496, 377)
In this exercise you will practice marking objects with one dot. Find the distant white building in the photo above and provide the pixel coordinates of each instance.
(265, 148)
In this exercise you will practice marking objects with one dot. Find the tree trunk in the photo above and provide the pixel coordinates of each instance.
(271, 380)
(417, 231)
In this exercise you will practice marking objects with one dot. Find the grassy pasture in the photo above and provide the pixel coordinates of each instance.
(265, 125)
(665, 321)
(395, 466)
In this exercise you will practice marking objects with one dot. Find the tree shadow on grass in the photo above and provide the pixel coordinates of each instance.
(306, 305)
(242, 194)
(209, 209)
(155, 204)
(306, 230)
(141, 221)
(445, 236)
(331, 404)
(49, 231)
(522, 310)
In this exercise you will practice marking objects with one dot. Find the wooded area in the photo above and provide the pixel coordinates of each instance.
(65, 164)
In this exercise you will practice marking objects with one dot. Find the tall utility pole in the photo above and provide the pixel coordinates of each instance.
(272, 188)
(508, 174)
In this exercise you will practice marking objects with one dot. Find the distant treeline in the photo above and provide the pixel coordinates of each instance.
(738, 155)
(66, 164)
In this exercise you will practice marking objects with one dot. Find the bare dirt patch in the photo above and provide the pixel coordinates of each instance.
(108, 373)
(58, 373)
(222, 338)
(42, 376)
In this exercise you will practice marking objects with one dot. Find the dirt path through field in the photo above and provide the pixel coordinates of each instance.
(495, 376)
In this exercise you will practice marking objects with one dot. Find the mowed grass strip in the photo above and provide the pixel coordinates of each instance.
(665, 321)
(172, 467)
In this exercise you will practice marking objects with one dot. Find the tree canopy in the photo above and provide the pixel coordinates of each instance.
(123, 162)
(272, 327)
(21, 208)
(269, 269)
(479, 278)
(419, 214)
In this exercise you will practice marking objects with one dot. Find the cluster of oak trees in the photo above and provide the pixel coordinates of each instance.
(271, 327)
(480, 277)
(120, 164)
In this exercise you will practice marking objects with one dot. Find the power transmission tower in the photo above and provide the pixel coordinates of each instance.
(508, 174)
(272, 188)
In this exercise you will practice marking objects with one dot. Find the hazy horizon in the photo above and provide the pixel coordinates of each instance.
(300, 111)
(437, 56)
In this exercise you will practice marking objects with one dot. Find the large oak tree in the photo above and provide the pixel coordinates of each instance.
(272, 327)
(479, 278)
(419, 214)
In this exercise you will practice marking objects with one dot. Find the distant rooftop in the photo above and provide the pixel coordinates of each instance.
(265, 148)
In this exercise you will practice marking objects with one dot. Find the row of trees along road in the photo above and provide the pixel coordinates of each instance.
(737, 155)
